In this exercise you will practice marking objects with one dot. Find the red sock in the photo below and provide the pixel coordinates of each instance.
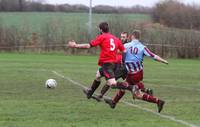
(150, 98)
(118, 96)
(140, 85)
(124, 86)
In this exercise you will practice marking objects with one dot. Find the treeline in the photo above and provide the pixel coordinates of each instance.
(39, 6)
(173, 13)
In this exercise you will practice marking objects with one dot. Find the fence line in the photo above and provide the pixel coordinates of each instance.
(164, 50)
(65, 45)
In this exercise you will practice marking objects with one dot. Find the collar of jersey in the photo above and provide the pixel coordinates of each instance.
(135, 41)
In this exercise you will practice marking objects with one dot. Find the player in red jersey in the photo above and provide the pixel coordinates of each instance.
(120, 71)
(109, 45)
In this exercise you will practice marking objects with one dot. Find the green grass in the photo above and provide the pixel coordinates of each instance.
(34, 22)
(24, 101)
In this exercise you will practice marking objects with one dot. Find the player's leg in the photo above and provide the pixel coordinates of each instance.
(138, 94)
(89, 92)
(129, 78)
(103, 91)
(134, 79)
(105, 88)
(113, 102)
(120, 93)
(145, 90)
(137, 80)
(108, 70)
(120, 72)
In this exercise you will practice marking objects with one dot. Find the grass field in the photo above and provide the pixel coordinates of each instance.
(24, 101)
(35, 22)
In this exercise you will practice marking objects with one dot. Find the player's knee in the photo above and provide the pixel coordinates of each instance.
(111, 82)
(98, 76)
(98, 79)
(138, 94)
(140, 85)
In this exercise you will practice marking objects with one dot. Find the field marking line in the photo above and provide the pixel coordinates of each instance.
(156, 85)
(172, 118)
(69, 79)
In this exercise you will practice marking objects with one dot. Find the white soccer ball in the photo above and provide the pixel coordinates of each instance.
(50, 83)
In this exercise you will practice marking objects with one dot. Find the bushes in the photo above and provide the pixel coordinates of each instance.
(55, 33)
(173, 42)
(172, 13)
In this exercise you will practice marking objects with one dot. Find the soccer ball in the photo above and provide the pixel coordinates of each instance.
(50, 83)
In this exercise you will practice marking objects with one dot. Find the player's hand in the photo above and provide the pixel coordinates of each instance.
(72, 44)
(165, 62)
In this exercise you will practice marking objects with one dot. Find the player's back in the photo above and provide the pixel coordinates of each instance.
(109, 45)
(134, 56)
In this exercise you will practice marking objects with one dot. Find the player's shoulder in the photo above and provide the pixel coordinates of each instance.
(100, 35)
(140, 44)
(115, 38)
(105, 36)
(128, 44)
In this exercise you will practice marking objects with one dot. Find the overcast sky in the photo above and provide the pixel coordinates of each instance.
(126, 3)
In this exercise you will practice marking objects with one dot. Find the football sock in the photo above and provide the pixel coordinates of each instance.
(118, 96)
(104, 90)
(150, 98)
(94, 86)
(140, 85)
(147, 90)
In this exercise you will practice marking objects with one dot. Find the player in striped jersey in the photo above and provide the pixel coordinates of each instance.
(134, 64)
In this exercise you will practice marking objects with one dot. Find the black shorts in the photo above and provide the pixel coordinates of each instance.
(114, 71)
(120, 71)
(107, 70)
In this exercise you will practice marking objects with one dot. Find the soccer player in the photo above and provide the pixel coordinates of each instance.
(124, 37)
(109, 45)
(120, 72)
(134, 64)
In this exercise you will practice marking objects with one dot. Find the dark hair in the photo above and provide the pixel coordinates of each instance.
(104, 27)
(124, 32)
(136, 34)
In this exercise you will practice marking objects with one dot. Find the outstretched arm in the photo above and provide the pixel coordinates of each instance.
(148, 53)
(159, 59)
(73, 44)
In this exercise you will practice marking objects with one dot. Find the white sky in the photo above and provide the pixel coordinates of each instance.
(125, 3)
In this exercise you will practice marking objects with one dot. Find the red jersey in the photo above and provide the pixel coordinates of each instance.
(119, 58)
(109, 45)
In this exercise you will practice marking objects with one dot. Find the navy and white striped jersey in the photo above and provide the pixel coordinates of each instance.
(135, 52)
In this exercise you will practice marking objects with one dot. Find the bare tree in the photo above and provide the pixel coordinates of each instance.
(172, 13)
